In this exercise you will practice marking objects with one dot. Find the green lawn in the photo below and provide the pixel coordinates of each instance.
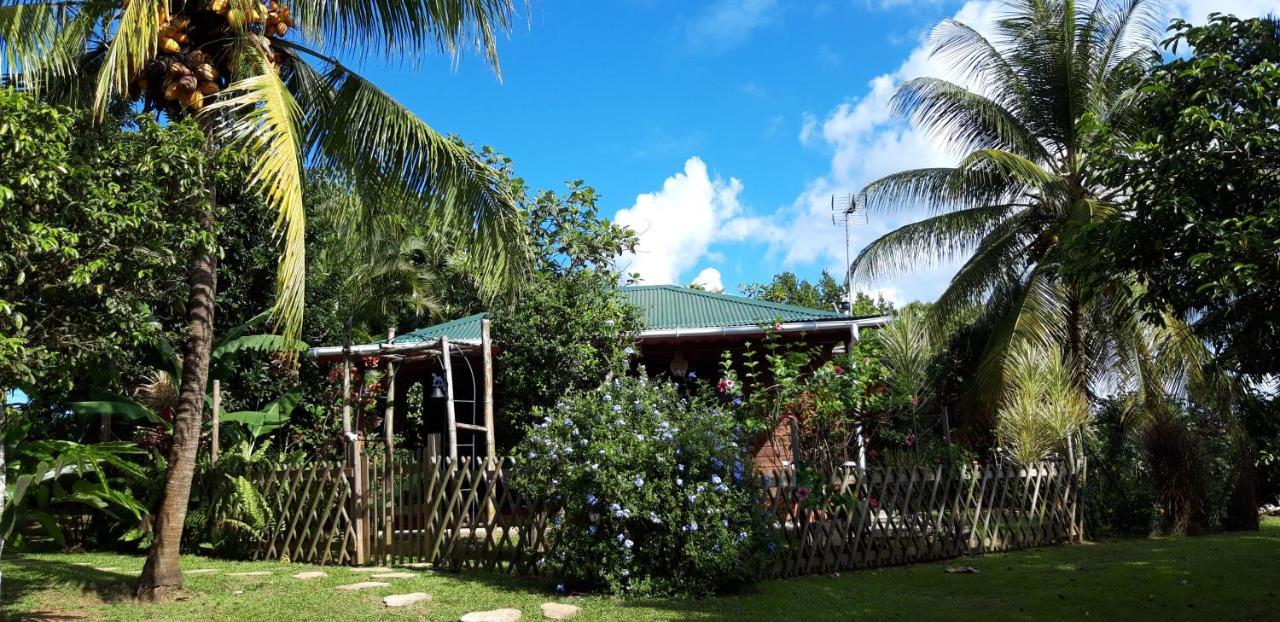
(1223, 577)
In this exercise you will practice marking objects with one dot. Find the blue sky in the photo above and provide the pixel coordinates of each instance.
(717, 129)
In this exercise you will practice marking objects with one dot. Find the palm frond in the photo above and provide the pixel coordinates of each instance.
(939, 190)
(389, 156)
(404, 28)
(136, 37)
(934, 240)
(963, 119)
(260, 114)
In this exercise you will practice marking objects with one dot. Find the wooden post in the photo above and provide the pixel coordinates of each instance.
(490, 452)
(389, 417)
(388, 520)
(346, 395)
(450, 419)
(217, 420)
(486, 344)
(359, 514)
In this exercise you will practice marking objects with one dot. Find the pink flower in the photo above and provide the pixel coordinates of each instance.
(802, 493)
(839, 370)
(911, 439)
(872, 502)
(724, 385)
(777, 326)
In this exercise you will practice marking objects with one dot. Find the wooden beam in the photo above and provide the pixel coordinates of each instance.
(451, 419)
(346, 397)
(486, 344)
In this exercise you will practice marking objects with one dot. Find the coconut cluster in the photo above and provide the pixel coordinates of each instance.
(192, 60)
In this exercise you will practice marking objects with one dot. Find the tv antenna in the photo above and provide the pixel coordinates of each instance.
(845, 212)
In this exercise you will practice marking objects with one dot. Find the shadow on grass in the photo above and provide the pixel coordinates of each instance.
(26, 576)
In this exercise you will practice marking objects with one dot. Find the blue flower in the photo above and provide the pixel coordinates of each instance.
(628, 544)
(591, 529)
(639, 481)
(560, 589)
(629, 350)
(653, 516)
(737, 401)
(679, 482)
(715, 479)
(621, 538)
(591, 499)
(607, 397)
(693, 375)
(680, 467)
(625, 572)
(640, 437)
(617, 408)
(532, 454)
(692, 498)
(742, 535)
(725, 522)
(717, 463)
(613, 507)
(692, 526)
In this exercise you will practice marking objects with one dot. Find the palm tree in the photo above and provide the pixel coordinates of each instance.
(1025, 115)
(265, 77)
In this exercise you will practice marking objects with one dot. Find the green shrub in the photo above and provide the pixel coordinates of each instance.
(655, 491)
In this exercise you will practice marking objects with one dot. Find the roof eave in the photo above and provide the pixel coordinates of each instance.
(379, 349)
(785, 327)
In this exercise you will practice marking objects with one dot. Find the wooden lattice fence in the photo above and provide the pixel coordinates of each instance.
(462, 515)
(888, 516)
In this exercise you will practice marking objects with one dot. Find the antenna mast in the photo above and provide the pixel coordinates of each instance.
(845, 212)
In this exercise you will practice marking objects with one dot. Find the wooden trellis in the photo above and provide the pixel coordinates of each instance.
(461, 514)
(888, 516)
(309, 514)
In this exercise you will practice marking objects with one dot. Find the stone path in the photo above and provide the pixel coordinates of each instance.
(310, 574)
(201, 571)
(371, 569)
(404, 600)
(255, 573)
(107, 568)
(361, 585)
(497, 615)
(558, 611)
(393, 575)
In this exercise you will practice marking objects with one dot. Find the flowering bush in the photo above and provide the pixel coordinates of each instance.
(655, 491)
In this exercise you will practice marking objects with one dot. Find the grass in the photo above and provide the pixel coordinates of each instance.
(1220, 577)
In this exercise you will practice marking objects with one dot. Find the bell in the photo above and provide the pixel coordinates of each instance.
(436, 393)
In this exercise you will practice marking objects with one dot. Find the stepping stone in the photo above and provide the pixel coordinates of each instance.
(200, 571)
(418, 565)
(558, 611)
(371, 569)
(254, 573)
(361, 585)
(497, 615)
(107, 568)
(393, 575)
(310, 574)
(404, 600)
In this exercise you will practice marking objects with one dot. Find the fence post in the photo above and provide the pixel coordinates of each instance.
(359, 504)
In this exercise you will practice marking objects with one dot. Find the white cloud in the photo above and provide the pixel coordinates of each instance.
(727, 24)
(678, 224)
(710, 279)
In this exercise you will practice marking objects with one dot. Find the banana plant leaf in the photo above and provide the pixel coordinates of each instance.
(106, 403)
(271, 417)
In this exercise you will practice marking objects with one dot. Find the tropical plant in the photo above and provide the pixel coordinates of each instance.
(252, 79)
(47, 477)
(827, 293)
(654, 490)
(1043, 411)
(1058, 80)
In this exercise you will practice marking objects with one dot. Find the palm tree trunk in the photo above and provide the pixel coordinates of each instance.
(1075, 331)
(161, 575)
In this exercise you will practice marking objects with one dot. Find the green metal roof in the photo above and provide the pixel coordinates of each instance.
(662, 307)
(464, 329)
(672, 306)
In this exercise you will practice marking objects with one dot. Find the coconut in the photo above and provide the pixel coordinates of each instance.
(177, 70)
(209, 88)
(193, 100)
(188, 84)
(195, 58)
(171, 91)
(171, 46)
(206, 72)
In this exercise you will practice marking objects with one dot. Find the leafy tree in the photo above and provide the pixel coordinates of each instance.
(95, 224)
(284, 97)
(827, 293)
(569, 328)
(1200, 215)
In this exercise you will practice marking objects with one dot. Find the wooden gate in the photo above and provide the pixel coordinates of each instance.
(452, 513)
